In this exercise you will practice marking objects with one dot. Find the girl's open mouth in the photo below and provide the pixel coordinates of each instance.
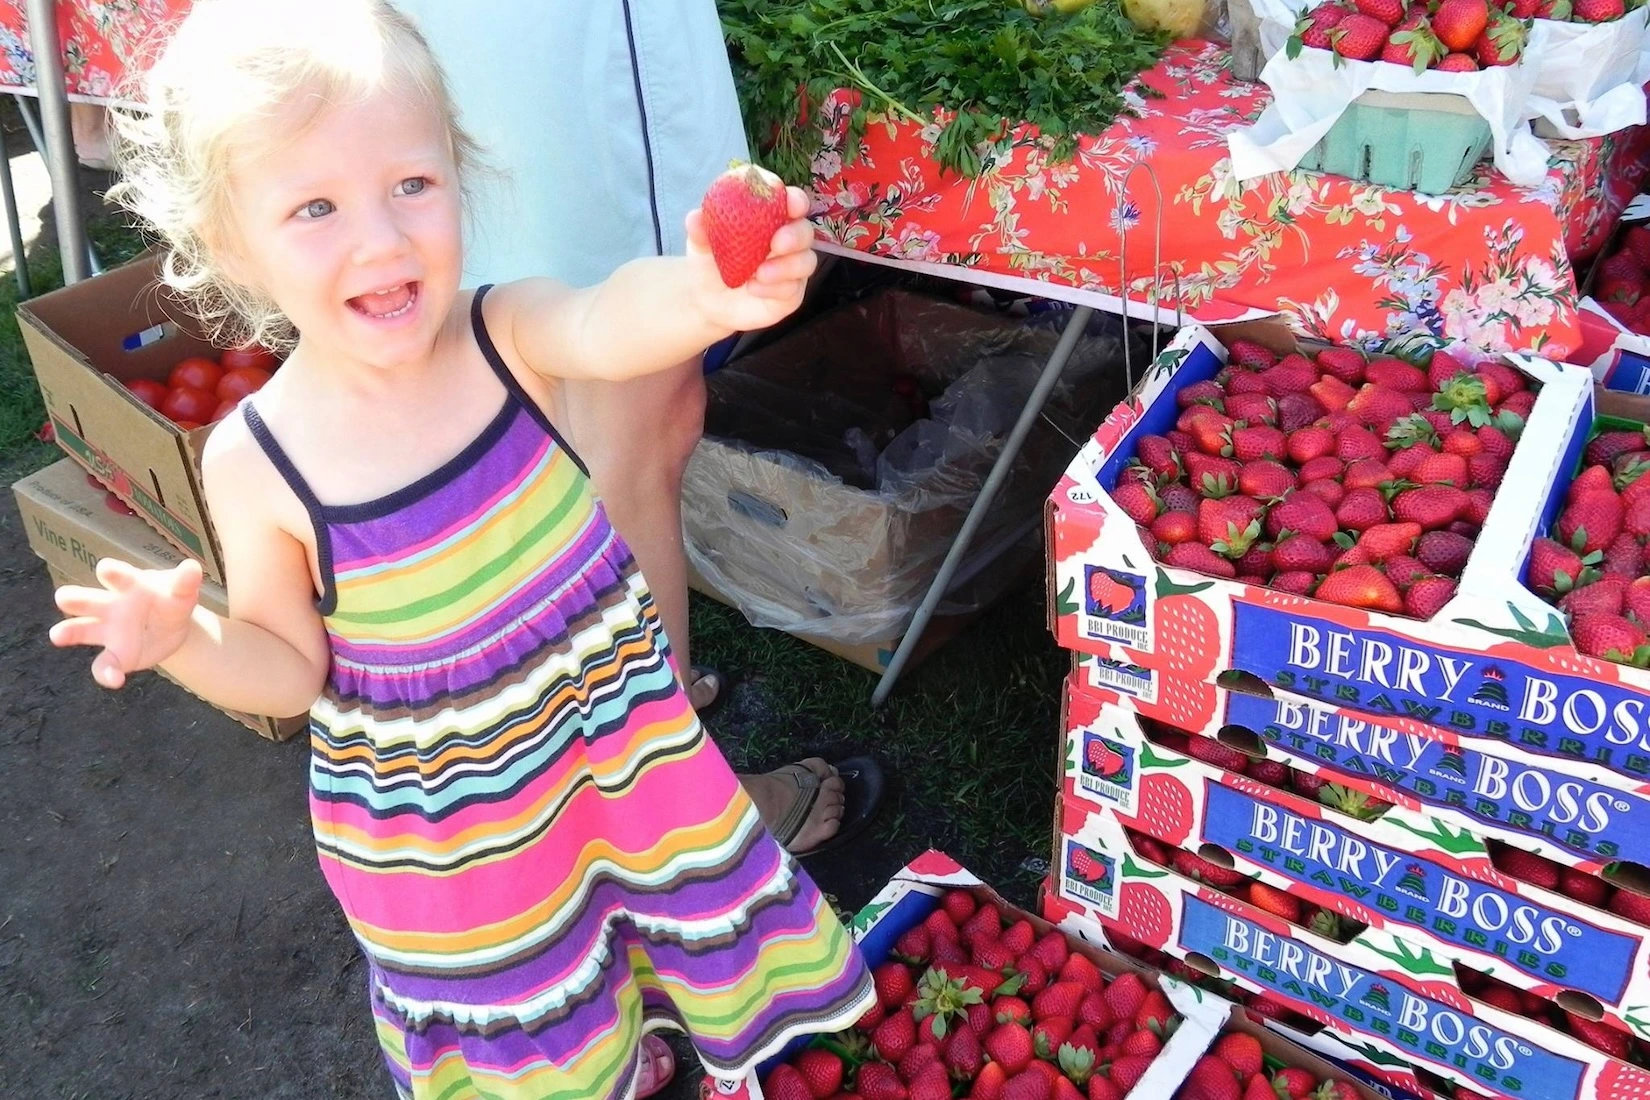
(387, 304)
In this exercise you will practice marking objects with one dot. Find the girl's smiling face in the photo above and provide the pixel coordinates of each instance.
(353, 227)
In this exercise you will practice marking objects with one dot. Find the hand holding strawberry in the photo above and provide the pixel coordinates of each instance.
(139, 617)
(754, 246)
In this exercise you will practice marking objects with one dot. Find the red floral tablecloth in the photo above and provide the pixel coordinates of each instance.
(1487, 265)
(101, 39)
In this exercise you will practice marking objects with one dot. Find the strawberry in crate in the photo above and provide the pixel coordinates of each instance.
(972, 1006)
(1621, 282)
(1359, 481)
(1452, 36)
(1237, 1066)
(1592, 565)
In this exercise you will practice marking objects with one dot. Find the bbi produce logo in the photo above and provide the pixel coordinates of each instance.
(1584, 816)
(1381, 1007)
(1114, 605)
(1397, 887)
(1091, 876)
(1107, 768)
(1381, 673)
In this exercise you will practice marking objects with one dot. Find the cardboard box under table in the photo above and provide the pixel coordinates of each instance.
(70, 527)
(85, 341)
(840, 460)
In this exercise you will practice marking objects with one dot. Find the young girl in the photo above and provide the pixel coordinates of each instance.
(542, 855)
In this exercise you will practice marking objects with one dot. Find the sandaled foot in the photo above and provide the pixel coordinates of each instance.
(658, 1066)
(704, 689)
(801, 804)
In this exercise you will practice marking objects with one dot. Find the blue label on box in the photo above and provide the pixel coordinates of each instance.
(1400, 889)
(1381, 673)
(1630, 374)
(1583, 816)
(1367, 1003)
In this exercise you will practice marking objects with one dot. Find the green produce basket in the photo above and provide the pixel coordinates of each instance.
(1419, 141)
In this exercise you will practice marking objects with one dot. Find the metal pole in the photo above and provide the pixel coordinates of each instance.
(61, 162)
(982, 503)
(8, 194)
(35, 136)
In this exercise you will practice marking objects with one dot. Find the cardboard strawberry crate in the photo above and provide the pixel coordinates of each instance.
(1409, 882)
(915, 893)
(1579, 815)
(1406, 1004)
(1496, 661)
(1380, 1072)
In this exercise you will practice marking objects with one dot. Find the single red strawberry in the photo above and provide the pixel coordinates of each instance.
(1059, 999)
(1361, 509)
(1444, 552)
(1300, 582)
(1386, 540)
(1019, 936)
(1250, 355)
(1502, 42)
(1274, 901)
(1404, 570)
(1049, 1033)
(1333, 394)
(1598, 11)
(1366, 473)
(1293, 373)
(915, 945)
(1242, 1053)
(1554, 567)
(822, 1071)
(1303, 514)
(1052, 950)
(1211, 1079)
(1356, 442)
(1387, 11)
(963, 1055)
(959, 906)
(1302, 554)
(1194, 866)
(1294, 1083)
(1608, 636)
(996, 954)
(1080, 970)
(1229, 520)
(1636, 600)
(1033, 975)
(1206, 392)
(931, 1083)
(1125, 994)
(1432, 506)
(1274, 773)
(1210, 751)
(1252, 409)
(1127, 1071)
(1528, 867)
(1010, 1046)
(877, 1081)
(1212, 475)
(1138, 502)
(786, 1083)
(1256, 441)
(1590, 522)
(1265, 480)
(1308, 443)
(1028, 1085)
(926, 1053)
(1011, 1010)
(1413, 44)
(1582, 887)
(1604, 596)
(1485, 471)
(1359, 37)
(873, 1016)
(986, 921)
(895, 1036)
(1632, 905)
(1600, 1035)
(1458, 23)
(1337, 1090)
(1457, 63)
(1441, 368)
(1447, 468)
(1297, 410)
(1330, 492)
(949, 950)
(1159, 455)
(1173, 528)
(1604, 448)
(1428, 596)
(1361, 586)
(1345, 364)
(1259, 1088)
(744, 207)
(894, 984)
(1243, 381)
(1095, 1012)
(1379, 407)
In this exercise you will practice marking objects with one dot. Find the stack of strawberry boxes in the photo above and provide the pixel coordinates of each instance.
(1358, 728)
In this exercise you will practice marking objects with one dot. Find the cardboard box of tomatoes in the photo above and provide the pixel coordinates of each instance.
(1396, 883)
(1572, 812)
(132, 389)
(1060, 1011)
(1505, 651)
(72, 523)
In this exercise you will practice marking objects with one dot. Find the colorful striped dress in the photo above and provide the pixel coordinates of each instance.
(541, 852)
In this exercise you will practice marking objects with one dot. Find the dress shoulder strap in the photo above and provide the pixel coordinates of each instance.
(512, 384)
(328, 601)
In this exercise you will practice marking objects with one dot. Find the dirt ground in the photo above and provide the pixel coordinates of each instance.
(164, 928)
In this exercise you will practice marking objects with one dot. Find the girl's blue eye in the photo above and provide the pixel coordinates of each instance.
(413, 186)
(316, 208)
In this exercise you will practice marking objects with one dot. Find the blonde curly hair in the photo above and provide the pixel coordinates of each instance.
(219, 89)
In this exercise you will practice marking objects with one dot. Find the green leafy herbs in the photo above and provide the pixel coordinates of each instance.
(988, 61)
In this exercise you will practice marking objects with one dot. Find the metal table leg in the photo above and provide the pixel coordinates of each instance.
(982, 504)
(61, 162)
(8, 194)
(39, 140)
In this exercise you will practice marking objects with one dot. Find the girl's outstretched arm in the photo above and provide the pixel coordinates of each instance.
(652, 313)
(269, 656)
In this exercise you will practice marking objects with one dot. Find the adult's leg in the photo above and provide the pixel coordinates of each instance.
(636, 437)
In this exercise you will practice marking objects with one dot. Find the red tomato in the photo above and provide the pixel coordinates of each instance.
(237, 382)
(255, 355)
(188, 403)
(224, 409)
(148, 391)
(202, 374)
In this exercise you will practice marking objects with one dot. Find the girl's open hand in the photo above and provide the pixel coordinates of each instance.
(139, 617)
(775, 291)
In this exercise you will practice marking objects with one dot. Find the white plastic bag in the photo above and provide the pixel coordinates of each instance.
(1591, 76)
(1311, 92)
